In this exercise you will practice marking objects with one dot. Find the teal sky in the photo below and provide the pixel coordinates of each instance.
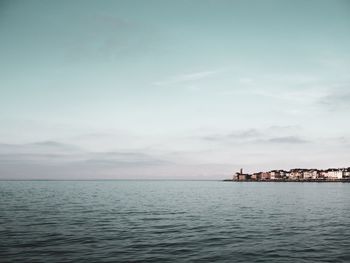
(190, 89)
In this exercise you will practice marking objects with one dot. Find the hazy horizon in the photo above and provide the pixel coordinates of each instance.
(172, 89)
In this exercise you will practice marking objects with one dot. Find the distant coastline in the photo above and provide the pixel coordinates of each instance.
(294, 175)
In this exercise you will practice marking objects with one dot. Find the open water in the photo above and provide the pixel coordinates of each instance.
(174, 221)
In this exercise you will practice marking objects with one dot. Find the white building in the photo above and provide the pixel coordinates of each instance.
(310, 174)
(347, 172)
(296, 174)
(334, 173)
(275, 174)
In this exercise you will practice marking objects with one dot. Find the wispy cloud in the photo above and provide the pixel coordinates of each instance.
(42, 147)
(106, 37)
(337, 99)
(125, 159)
(302, 96)
(16, 158)
(189, 77)
(287, 140)
(301, 89)
(270, 135)
(248, 134)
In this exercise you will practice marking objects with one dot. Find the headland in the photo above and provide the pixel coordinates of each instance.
(294, 175)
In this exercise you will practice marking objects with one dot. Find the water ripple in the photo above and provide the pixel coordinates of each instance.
(157, 221)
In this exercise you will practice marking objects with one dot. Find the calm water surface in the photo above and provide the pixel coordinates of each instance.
(174, 221)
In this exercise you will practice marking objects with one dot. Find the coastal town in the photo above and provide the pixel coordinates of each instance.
(295, 175)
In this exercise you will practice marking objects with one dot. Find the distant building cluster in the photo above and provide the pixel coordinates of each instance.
(297, 174)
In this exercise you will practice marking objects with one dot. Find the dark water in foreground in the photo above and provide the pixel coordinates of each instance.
(168, 221)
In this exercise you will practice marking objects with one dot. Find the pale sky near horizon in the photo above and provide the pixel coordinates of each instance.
(192, 89)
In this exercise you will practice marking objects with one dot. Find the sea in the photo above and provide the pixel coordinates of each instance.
(174, 221)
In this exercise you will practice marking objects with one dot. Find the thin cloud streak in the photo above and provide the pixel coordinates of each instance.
(271, 135)
(178, 79)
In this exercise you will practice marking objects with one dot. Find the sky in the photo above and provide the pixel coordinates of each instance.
(185, 89)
